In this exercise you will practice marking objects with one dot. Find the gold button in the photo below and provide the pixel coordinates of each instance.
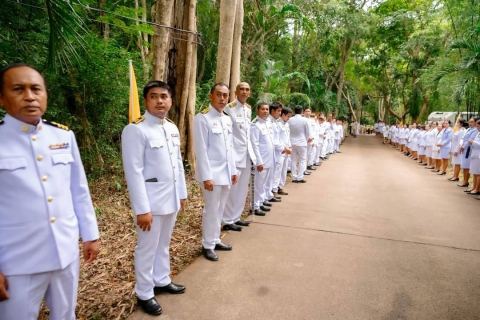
(171, 152)
(39, 158)
(52, 219)
(173, 167)
(34, 138)
(24, 128)
(50, 199)
(44, 178)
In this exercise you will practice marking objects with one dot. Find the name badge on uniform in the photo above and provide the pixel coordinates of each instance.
(215, 124)
(174, 135)
(57, 146)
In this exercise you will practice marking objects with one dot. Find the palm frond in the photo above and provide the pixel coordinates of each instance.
(266, 97)
(65, 25)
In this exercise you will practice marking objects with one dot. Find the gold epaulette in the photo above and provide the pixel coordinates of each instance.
(138, 120)
(58, 125)
(170, 120)
(255, 120)
(205, 111)
(279, 119)
(233, 104)
(248, 106)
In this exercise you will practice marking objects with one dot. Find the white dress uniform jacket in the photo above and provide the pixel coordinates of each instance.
(212, 132)
(263, 142)
(299, 130)
(151, 151)
(45, 201)
(241, 116)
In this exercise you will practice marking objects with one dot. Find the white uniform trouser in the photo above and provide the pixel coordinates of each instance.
(337, 144)
(299, 154)
(271, 181)
(319, 152)
(289, 163)
(212, 214)
(237, 197)
(279, 166)
(324, 148)
(261, 179)
(283, 173)
(26, 292)
(330, 146)
(310, 146)
(152, 258)
(311, 154)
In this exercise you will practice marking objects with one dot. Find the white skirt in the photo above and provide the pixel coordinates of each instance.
(475, 166)
(429, 151)
(436, 154)
(456, 159)
(421, 150)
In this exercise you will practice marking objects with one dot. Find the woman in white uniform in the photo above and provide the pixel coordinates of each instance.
(414, 138)
(436, 149)
(475, 161)
(422, 140)
(466, 150)
(430, 141)
(402, 137)
(456, 156)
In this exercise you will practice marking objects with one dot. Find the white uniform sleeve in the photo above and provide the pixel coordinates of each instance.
(82, 201)
(200, 142)
(133, 153)
(255, 138)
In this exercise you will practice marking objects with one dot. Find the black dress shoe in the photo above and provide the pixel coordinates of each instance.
(294, 181)
(242, 223)
(281, 192)
(275, 200)
(474, 193)
(317, 164)
(265, 209)
(302, 181)
(259, 213)
(275, 196)
(339, 151)
(311, 168)
(467, 191)
(435, 170)
(451, 179)
(441, 173)
(223, 247)
(307, 173)
(150, 306)
(267, 204)
(232, 227)
(209, 254)
(462, 185)
(171, 288)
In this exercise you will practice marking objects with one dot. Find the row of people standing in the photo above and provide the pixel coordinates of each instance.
(436, 145)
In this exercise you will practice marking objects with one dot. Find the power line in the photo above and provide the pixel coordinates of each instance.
(198, 34)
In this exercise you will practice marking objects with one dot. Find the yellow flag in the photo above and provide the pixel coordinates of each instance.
(133, 104)
(455, 128)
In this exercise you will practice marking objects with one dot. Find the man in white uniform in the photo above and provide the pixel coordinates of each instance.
(311, 146)
(45, 204)
(215, 168)
(241, 114)
(282, 149)
(156, 183)
(299, 137)
(264, 149)
(285, 138)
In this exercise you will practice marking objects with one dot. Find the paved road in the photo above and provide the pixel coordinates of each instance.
(370, 236)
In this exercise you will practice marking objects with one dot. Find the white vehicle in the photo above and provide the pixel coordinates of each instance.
(440, 116)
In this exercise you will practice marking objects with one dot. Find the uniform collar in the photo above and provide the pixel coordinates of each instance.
(21, 126)
(212, 109)
(239, 104)
(152, 119)
(261, 120)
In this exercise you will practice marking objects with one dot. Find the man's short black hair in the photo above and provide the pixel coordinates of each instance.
(156, 84)
(13, 66)
(261, 103)
(286, 111)
(307, 108)
(298, 109)
(218, 84)
(275, 105)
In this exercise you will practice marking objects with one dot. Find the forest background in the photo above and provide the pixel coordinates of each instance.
(391, 60)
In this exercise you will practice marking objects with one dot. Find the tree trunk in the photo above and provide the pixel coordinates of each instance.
(106, 25)
(225, 41)
(237, 48)
(161, 38)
